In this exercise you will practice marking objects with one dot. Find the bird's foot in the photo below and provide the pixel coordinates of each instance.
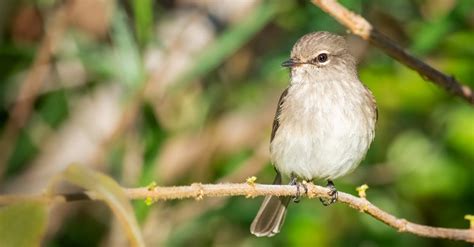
(332, 193)
(298, 185)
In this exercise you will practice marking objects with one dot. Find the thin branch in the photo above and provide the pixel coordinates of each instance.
(361, 27)
(251, 190)
(199, 191)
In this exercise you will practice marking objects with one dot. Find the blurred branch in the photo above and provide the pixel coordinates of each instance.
(250, 190)
(158, 217)
(361, 27)
(32, 84)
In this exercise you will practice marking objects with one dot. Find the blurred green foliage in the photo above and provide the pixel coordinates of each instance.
(22, 224)
(420, 167)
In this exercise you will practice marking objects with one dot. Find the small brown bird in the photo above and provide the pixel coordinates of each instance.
(324, 123)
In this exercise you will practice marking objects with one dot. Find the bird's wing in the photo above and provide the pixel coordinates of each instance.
(374, 103)
(276, 120)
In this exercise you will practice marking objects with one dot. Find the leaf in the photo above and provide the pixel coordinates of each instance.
(460, 130)
(22, 224)
(429, 35)
(126, 56)
(105, 188)
(143, 13)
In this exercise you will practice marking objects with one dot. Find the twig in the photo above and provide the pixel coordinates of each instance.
(361, 27)
(250, 190)
(199, 191)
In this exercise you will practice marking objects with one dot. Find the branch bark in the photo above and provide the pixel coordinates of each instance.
(251, 190)
(361, 27)
(199, 191)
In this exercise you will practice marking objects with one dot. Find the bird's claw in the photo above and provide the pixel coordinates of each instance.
(297, 198)
(332, 193)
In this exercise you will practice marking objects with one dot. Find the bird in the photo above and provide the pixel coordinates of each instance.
(323, 126)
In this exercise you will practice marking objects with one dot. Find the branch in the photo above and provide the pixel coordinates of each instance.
(251, 190)
(361, 27)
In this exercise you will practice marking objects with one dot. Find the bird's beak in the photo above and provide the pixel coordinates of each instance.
(290, 63)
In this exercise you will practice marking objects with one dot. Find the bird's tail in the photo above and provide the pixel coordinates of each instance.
(271, 215)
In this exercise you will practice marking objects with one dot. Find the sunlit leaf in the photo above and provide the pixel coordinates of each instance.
(143, 13)
(22, 224)
(109, 191)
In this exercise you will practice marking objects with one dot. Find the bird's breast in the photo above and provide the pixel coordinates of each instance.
(325, 130)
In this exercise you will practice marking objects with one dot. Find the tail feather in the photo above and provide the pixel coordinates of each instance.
(271, 215)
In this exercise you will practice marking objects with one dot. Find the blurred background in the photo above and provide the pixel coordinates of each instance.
(183, 91)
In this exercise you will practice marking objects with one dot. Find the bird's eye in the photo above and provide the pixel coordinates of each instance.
(321, 58)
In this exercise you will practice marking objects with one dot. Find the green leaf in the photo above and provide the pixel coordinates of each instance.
(460, 130)
(24, 151)
(22, 224)
(429, 35)
(109, 191)
(126, 56)
(143, 12)
(53, 108)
